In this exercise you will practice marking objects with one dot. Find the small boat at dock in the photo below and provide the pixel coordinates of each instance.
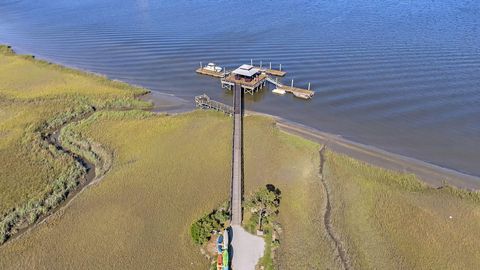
(212, 70)
(213, 67)
(302, 95)
(279, 91)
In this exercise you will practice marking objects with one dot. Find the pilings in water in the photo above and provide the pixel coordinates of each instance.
(270, 71)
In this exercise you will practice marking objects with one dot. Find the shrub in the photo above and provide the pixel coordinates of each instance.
(202, 229)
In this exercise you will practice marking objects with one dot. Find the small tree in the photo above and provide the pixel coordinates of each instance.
(265, 203)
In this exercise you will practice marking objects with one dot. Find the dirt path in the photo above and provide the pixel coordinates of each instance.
(247, 249)
(342, 254)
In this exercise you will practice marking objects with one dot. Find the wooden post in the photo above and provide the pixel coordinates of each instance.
(292, 82)
(251, 62)
(280, 67)
(308, 86)
(201, 65)
(270, 65)
(260, 64)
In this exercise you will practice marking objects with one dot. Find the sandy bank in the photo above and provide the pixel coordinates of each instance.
(433, 175)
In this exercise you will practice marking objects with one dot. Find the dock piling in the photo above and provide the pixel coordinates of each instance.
(260, 64)
(270, 65)
(251, 62)
(292, 83)
(280, 67)
(308, 86)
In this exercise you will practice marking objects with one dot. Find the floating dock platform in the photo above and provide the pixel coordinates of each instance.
(298, 92)
(212, 73)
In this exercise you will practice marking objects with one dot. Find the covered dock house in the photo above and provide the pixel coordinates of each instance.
(251, 79)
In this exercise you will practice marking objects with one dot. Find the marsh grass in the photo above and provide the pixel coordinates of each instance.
(37, 97)
(392, 221)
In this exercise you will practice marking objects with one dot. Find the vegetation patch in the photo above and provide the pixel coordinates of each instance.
(202, 230)
(261, 210)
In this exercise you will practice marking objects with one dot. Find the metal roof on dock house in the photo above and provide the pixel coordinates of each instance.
(246, 70)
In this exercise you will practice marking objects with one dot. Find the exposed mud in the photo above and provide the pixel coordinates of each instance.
(342, 254)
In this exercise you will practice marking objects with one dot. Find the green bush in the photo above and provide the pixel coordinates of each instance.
(202, 229)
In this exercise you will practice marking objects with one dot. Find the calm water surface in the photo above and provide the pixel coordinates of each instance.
(400, 75)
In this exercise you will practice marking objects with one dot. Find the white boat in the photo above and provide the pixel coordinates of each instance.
(213, 67)
(279, 91)
(302, 95)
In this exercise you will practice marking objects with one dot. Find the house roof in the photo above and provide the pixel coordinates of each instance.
(246, 70)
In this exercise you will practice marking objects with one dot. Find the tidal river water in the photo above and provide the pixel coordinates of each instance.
(403, 76)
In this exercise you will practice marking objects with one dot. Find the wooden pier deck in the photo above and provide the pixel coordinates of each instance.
(212, 73)
(236, 189)
(248, 86)
(273, 72)
(204, 102)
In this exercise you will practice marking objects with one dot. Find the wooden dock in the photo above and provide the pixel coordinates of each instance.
(204, 102)
(212, 73)
(237, 160)
(298, 92)
(270, 71)
(273, 72)
(250, 87)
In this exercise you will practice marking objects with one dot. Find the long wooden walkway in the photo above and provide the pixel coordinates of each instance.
(236, 190)
(204, 102)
